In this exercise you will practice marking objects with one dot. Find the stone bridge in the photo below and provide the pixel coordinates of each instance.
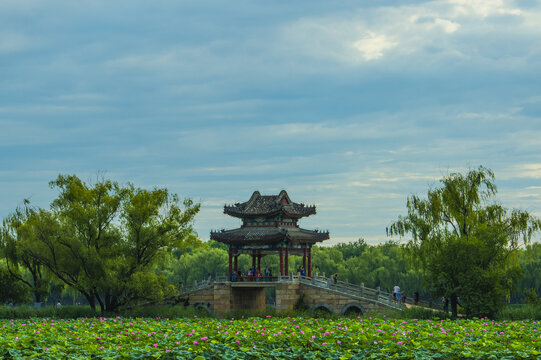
(318, 293)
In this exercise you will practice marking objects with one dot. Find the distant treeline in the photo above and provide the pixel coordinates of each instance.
(383, 265)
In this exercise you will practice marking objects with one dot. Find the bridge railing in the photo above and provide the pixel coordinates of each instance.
(350, 288)
(321, 281)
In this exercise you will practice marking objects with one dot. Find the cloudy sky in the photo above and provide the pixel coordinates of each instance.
(349, 105)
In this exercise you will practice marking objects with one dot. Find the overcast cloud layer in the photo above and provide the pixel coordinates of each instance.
(352, 107)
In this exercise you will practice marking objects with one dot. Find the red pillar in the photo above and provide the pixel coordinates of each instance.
(281, 262)
(259, 262)
(230, 258)
(309, 270)
(287, 262)
(236, 263)
(304, 261)
(253, 260)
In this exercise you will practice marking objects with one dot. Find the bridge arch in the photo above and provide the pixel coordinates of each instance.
(353, 307)
(323, 307)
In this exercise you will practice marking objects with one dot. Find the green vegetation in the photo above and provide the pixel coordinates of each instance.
(102, 240)
(465, 244)
(118, 247)
(268, 338)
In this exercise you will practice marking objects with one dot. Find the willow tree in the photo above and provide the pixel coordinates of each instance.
(464, 242)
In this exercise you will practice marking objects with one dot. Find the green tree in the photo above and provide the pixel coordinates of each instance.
(465, 244)
(13, 290)
(104, 239)
(197, 265)
(530, 264)
(16, 243)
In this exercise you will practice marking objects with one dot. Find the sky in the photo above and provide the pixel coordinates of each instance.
(348, 105)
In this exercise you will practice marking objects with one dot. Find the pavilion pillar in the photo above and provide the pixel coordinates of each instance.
(259, 262)
(309, 270)
(253, 260)
(230, 267)
(287, 262)
(236, 263)
(304, 261)
(281, 261)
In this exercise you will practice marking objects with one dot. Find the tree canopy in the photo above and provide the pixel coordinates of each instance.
(103, 239)
(464, 242)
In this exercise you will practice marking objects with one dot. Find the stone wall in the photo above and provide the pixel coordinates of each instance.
(314, 296)
(248, 298)
(224, 298)
(205, 297)
(288, 294)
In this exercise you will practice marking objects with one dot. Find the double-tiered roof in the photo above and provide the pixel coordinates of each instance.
(269, 219)
(265, 205)
(268, 235)
(269, 224)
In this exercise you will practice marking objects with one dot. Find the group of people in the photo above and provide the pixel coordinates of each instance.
(253, 274)
(398, 295)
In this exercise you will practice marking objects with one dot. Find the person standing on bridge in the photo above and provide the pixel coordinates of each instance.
(396, 293)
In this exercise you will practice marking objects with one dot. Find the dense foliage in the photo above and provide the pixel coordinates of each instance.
(121, 245)
(102, 240)
(267, 338)
(375, 266)
(465, 243)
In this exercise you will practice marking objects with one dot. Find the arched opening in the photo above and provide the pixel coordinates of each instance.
(353, 308)
(324, 308)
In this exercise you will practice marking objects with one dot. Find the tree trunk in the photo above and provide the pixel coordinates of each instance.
(91, 300)
(113, 303)
(446, 305)
(454, 306)
(37, 297)
(107, 298)
(102, 305)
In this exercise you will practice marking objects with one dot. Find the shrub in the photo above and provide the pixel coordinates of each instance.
(26, 311)
(524, 312)
(532, 298)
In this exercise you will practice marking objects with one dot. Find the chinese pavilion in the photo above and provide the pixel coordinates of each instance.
(269, 226)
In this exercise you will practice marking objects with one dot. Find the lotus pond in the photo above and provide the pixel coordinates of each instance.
(268, 338)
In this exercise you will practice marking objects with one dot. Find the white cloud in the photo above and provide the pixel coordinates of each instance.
(448, 26)
(358, 184)
(391, 33)
(528, 171)
(372, 46)
(483, 8)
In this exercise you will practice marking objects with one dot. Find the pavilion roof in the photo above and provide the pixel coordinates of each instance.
(268, 235)
(269, 205)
